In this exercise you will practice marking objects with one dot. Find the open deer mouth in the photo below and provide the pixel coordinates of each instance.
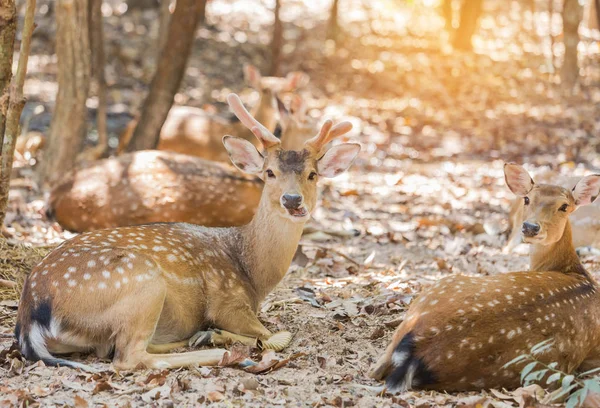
(533, 239)
(298, 212)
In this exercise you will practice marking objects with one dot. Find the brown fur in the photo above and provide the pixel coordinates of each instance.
(152, 186)
(128, 288)
(584, 222)
(467, 328)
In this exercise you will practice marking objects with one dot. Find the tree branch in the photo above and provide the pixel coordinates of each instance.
(8, 29)
(15, 107)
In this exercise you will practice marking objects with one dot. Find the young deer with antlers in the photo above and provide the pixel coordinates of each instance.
(195, 132)
(126, 289)
(459, 334)
(157, 186)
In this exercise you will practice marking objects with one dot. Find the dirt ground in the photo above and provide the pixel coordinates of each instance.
(426, 195)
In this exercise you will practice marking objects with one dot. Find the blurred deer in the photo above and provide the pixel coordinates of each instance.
(193, 131)
(585, 223)
(155, 186)
(459, 334)
(296, 125)
(137, 292)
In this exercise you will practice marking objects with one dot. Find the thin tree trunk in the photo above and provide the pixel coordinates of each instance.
(141, 4)
(470, 11)
(96, 32)
(168, 75)
(571, 15)
(8, 29)
(333, 27)
(163, 26)
(15, 108)
(277, 41)
(202, 15)
(69, 122)
(448, 15)
(551, 34)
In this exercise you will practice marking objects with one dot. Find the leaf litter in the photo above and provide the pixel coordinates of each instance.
(426, 196)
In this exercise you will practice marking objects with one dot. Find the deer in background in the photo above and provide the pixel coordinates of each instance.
(134, 291)
(296, 125)
(193, 131)
(585, 223)
(154, 186)
(459, 334)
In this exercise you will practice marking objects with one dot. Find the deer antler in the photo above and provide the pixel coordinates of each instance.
(262, 134)
(328, 133)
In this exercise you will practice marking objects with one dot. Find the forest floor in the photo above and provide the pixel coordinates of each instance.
(427, 193)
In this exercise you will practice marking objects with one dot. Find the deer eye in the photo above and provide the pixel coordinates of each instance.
(563, 207)
(270, 173)
(526, 200)
(312, 175)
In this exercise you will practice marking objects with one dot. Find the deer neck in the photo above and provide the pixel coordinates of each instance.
(269, 244)
(559, 256)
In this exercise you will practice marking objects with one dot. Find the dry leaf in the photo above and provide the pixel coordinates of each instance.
(79, 402)
(101, 385)
(235, 355)
(215, 396)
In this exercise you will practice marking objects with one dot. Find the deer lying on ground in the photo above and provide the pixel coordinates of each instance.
(154, 186)
(140, 289)
(459, 334)
(585, 223)
(195, 132)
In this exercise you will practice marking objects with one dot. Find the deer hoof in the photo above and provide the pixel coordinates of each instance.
(277, 342)
(201, 338)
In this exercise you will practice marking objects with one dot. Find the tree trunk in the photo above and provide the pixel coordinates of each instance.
(168, 75)
(202, 15)
(8, 29)
(98, 59)
(15, 108)
(470, 11)
(276, 41)
(448, 14)
(571, 16)
(163, 27)
(141, 4)
(68, 126)
(333, 28)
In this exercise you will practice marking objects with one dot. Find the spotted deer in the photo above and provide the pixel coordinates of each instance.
(459, 334)
(585, 223)
(193, 131)
(157, 186)
(296, 125)
(136, 292)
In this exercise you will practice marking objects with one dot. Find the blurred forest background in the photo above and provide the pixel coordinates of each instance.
(441, 93)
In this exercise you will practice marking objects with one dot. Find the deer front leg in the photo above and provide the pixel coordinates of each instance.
(242, 325)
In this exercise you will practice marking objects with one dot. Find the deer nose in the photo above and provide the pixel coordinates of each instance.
(530, 229)
(291, 201)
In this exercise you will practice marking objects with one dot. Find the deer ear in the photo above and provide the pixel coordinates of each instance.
(517, 179)
(295, 80)
(243, 154)
(586, 190)
(252, 76)
(337, 159)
